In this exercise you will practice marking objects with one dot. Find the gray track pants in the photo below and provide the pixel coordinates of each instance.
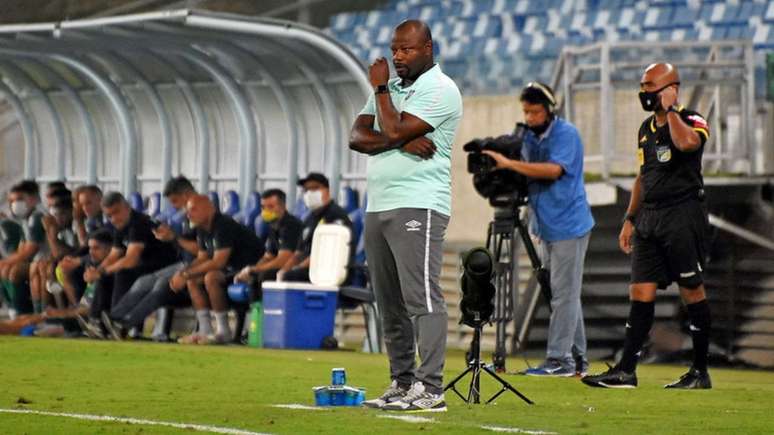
(404, 251)
(566, 333)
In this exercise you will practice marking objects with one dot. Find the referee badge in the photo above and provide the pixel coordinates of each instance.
(663, 153)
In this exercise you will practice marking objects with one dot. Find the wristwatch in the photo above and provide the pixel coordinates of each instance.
(381, 89)
(672, 108)
(629, 217)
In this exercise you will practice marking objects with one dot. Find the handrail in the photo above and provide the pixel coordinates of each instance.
(740, 232)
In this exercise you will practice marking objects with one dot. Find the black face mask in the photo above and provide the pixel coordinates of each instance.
(650, 100)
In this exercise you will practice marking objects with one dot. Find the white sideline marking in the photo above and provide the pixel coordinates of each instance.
(517, 430)
(299, 406)
(186, 426)
(408, 418)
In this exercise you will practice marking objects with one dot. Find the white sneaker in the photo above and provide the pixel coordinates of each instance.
(418, 399)
(393, 393)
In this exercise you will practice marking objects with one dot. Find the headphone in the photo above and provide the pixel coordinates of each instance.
(546, 93)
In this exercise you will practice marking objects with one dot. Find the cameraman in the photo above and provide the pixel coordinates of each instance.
(552, 158)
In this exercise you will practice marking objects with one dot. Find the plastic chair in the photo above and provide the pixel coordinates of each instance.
(154, 205)
(252, 209)
(135, 201)
(214, 199)
(230, 203)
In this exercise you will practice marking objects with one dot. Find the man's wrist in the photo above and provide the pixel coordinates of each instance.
(630, 217)
(673, 108)
(381, 89)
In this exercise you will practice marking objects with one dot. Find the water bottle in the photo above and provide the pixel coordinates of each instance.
(255, 330)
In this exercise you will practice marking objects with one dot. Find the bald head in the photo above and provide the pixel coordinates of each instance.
(412, 49)
(417, 27)
(200, 210)
(659, 75)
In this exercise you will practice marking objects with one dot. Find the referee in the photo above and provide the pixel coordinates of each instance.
(665, 227)
(407, 128)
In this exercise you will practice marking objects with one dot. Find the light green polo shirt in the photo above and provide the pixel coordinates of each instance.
(400, 180)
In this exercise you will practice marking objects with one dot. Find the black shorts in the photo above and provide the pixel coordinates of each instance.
(669, 245)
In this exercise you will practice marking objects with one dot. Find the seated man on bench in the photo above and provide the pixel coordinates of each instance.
(322, 210)
(284, 236)
(225, 247)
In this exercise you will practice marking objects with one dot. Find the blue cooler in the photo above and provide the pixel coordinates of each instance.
(298, 315)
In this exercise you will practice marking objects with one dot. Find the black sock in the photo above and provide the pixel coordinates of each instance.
(637, 329)
(699, 313)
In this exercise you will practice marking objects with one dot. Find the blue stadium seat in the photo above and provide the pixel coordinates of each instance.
(175, 221)
(154, 204)
(769, 17)
(764, 34)
(251, 210)
(300, 210)
(135, 201)
(348, 199)
(214, 199)
(261, 228)
(230, 203)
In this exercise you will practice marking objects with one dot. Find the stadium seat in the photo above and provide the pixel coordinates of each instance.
(214, 199)
(230, 203)
(135, 201)
(251, 210)
(348, 199)
(154, 204)
(300, 210)
(499, 29)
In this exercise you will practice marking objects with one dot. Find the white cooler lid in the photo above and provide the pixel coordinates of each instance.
(301, 286)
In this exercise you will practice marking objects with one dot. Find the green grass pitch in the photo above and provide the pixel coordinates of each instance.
(235, 387)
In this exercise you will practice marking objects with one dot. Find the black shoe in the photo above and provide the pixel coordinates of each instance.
(693, 380)
(613, 378)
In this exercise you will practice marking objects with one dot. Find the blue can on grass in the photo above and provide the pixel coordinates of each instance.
(338, 376)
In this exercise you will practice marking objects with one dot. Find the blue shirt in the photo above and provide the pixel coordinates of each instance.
(559, 207)
(397, 179)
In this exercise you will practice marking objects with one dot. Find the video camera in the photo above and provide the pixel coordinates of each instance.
(502, 187)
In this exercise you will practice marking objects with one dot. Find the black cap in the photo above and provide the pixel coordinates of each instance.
(315, 176)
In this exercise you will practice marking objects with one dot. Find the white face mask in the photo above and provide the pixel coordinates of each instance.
(19, 208)
(313, 199)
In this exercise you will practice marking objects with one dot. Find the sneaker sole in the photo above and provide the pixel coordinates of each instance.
(415, 411)
(620, 387)
(551, 375)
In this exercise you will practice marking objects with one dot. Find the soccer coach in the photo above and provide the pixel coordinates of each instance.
(407, 128)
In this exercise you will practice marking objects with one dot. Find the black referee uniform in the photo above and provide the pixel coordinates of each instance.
(668, 244)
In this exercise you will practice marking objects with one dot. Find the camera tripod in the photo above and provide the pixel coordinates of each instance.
(500, 242)
(476, 367)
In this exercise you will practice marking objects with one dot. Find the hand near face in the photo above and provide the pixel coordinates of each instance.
(379, 72)
(668, 97)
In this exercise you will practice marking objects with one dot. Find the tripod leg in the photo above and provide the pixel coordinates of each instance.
(474, 392)
(506, 385)
(455, 380)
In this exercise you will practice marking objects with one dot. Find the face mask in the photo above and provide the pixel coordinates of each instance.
(313, 199)
(19, 208)
(650, 101)
(268, 216)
